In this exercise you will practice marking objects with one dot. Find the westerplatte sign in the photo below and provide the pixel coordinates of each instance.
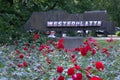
(60, 20)
(73, 23)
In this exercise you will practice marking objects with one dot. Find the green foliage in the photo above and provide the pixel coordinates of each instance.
(1, 65)
(71, 33)
(118, 33)
(93, 33)
(15, 13)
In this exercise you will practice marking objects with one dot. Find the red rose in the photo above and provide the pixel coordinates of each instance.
(95, 78)
(20, 65)
(41, 47)
(33, 47)
(16, 51)
(60, 40)
(36, 36)
(99, 65)
(83, 51)
(71, 71)
(93, 51)
(60, 46)
(77, 76)
(25, 64)
(48, 60)
(60, 69)
(110, 40)
(77, 67)
(21, 56)
(74, 60)
(25, 48)
(73, 56)
(61, 78)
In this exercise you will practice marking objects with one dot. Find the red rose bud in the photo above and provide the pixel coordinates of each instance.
(110, 40)
(77, 67)
(48, 61)
(20, 65)
(77, 76)
(60, 46)
(25, 48)
(71, 71)
(36, 36)
(61, 78)
(96, 78)
(99, 66)
(74, 60)
(25, 64)
(60, 69)
(73, 55)
(41, 47)
(17, 51)
(93, 51)
(21, 56)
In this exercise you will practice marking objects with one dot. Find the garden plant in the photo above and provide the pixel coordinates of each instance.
(41, 58)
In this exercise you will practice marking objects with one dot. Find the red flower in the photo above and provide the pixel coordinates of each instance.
(110, 40)
(93, 51)
(99, 66)
(60, 69)
(48, 61)
(92, 41)
(77, 76)
(88, 68)
(87, 46)
(41, 47)
(74, 60)
(77, 49)
(111, 46)
(60, 46)
(33, 47)
(50, 41)
(60, 40)
(25, 48)
(95, 78)
(36, 36)
(17, 51)
(77, 67)
(27, 44)
(21, 56)
(20, 65)
(25, 64)
(73, 55)
(105, 50)
(71, 71)
(83, 51)
(61, 78)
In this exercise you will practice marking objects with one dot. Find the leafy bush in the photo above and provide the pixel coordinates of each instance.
(93, 33)
(118, 33)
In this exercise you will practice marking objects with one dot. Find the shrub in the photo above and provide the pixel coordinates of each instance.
(117, 33)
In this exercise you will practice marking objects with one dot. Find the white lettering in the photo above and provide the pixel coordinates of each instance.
(59, 23)
(73, 23)
(50, 23)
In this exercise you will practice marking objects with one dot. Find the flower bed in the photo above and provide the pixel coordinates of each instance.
(51, 61)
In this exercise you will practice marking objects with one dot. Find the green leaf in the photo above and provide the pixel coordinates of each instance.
(1, 65)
